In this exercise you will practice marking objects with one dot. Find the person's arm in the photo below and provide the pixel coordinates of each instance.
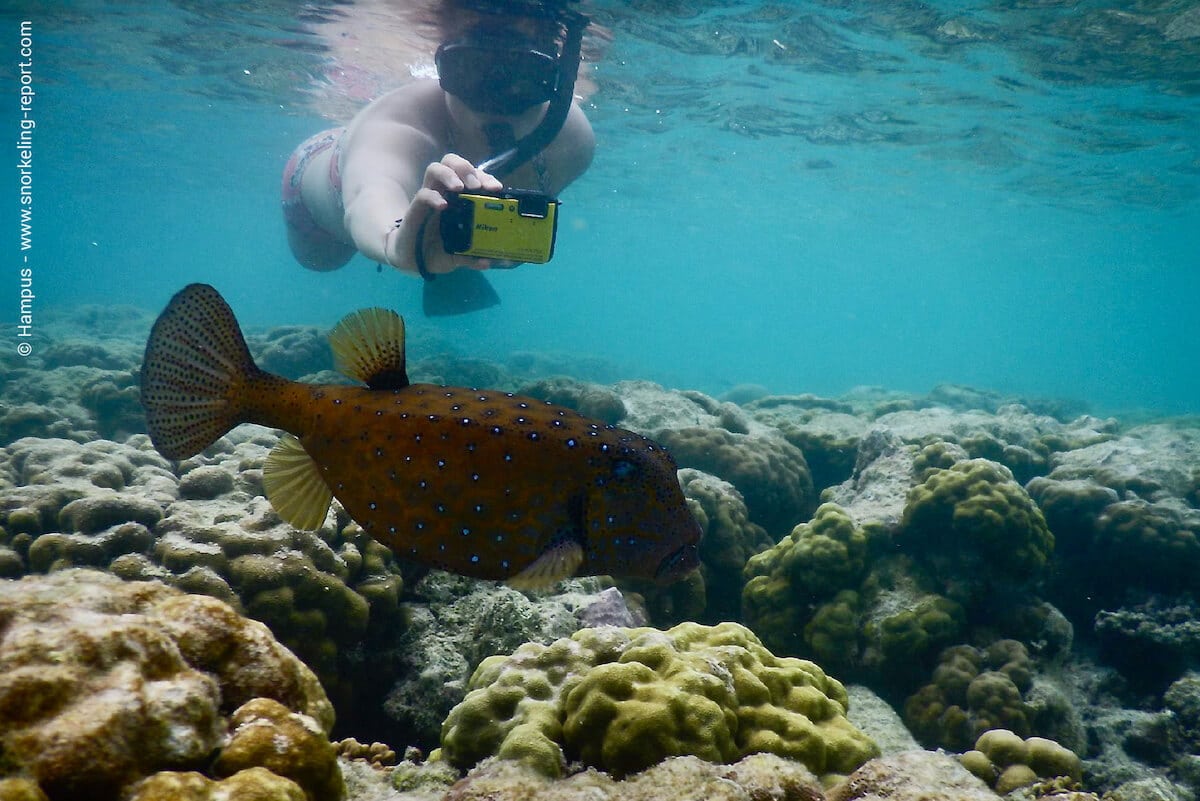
(392, 171)
(382, 166)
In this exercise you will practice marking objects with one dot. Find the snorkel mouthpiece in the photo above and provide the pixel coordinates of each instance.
(560, 103)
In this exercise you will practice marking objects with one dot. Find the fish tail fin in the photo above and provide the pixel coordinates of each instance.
(196, 373)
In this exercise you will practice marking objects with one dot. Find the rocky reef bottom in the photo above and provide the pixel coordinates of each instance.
(951, 595)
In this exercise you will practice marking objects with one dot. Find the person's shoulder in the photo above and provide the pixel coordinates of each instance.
(414, 101)
(416, 108)
(578, 131)
(572, 150)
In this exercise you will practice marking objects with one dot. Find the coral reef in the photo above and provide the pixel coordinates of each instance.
(729, 540)
(973, 518)
(266, 734)
(925, 541)
(826, 431)
(104, 682)
(912, 776)
(1122, 507)
(1154, 642)
(1007, 762)
(814, 563)
(769, 472)
(759, 776)
(624, 699)
(253, 784)
(292, 351)
(457, 623)
(591, 400)
(1012, 435)
(972, 691)
(122, 508)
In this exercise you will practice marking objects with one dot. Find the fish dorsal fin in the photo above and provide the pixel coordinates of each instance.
(560, 560)
(294, 485)
(368, 345)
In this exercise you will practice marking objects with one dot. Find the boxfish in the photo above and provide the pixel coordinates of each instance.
(482, 483)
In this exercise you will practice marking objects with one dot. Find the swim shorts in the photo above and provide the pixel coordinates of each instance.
(296, 214)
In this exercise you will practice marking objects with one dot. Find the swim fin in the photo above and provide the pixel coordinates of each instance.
(458, 292)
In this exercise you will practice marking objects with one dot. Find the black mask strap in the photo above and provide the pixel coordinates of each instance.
(532, 143)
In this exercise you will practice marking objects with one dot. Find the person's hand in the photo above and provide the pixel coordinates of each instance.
(452, 174)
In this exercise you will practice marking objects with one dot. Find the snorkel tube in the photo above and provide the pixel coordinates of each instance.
(532, 143)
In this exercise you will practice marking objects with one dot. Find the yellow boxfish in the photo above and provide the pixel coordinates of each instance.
(479, 482)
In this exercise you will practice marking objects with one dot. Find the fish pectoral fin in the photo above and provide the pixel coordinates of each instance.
(560, 560)
(294, 485)
(368, 345)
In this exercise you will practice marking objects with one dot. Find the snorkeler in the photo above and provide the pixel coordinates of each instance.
(500, 113)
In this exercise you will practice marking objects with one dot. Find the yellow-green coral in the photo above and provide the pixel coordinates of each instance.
(936, 455)
(975, 507)
(816, 561)
(267, 734)
(832, 633)
(624, 699)
(972, 691)
(253, 784)
(907, 635)
(20, 789)
(1007, 762)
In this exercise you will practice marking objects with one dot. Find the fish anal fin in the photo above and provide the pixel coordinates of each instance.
(368, 345)
(294, 485)
(560, 560)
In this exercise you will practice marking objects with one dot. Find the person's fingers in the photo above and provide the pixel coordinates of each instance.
(428, 198)
(471, 176)
(442, 178)
(489, 182)
(461, 166)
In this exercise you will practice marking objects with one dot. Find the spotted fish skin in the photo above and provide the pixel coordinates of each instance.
(482, 483)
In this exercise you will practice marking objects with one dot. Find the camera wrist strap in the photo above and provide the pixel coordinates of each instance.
(419, 252)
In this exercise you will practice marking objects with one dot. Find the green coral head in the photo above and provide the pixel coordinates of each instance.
(622, 700)
(975, 506)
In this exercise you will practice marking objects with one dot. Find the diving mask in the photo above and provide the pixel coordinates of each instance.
(493, 72)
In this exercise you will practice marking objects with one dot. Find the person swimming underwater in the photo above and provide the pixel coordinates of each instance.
(500, 109)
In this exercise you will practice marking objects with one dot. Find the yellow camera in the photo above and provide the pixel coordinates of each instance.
(512, 225)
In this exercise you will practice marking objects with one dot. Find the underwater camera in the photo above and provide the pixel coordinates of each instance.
(512, 225)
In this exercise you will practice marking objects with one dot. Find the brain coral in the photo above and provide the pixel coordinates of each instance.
(120, 507)
(624, 699)
(974, 516)
(103, 682)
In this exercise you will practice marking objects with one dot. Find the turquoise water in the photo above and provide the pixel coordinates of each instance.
(807, 196)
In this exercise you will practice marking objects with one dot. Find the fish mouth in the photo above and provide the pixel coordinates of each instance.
(677, 564)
